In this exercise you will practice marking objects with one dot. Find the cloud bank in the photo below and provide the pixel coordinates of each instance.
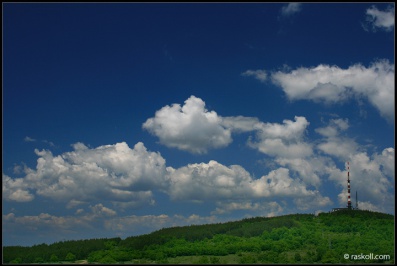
(115, 173)
(129, 178)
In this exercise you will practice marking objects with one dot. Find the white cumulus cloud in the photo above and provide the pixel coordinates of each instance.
(279, 183)
(101, 210)
(309, 169)
(334, 143)
(15, 189)
(194, 129)
(190, 127)
(372, 176)
(238, 124)
(334, 128)
(368, 177)
(282, 140)
(378, 19)
(115, 173)
(331, 84)
(209, 181)
(214, 181)
(386, 161)
(315, 201)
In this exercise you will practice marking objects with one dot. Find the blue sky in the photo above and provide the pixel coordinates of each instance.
(121, 119)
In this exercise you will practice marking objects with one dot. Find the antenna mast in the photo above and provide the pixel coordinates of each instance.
(349, 204)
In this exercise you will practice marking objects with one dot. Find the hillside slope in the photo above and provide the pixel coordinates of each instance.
(297, 238)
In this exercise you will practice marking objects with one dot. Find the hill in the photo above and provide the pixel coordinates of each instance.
(296, 238)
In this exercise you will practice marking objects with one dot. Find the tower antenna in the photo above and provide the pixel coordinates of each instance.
(349, 204)
(356, 201)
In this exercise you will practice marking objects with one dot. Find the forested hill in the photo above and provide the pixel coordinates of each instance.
(296, 238)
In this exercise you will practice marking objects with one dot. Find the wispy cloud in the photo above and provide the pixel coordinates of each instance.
(49, 143)
(290, 9)
(29, 139)
(377, 19)
(259, 74)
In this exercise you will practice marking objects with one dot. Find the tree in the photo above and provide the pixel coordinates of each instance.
(54, 258)
(70, 257)
(16, 261)
(110, 244)
(107, 260)
(330, 257)
(38, 260)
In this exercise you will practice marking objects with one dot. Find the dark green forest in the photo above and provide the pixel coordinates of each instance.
(295, 238)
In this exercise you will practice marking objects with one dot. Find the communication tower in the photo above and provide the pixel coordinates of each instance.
(349, 203)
